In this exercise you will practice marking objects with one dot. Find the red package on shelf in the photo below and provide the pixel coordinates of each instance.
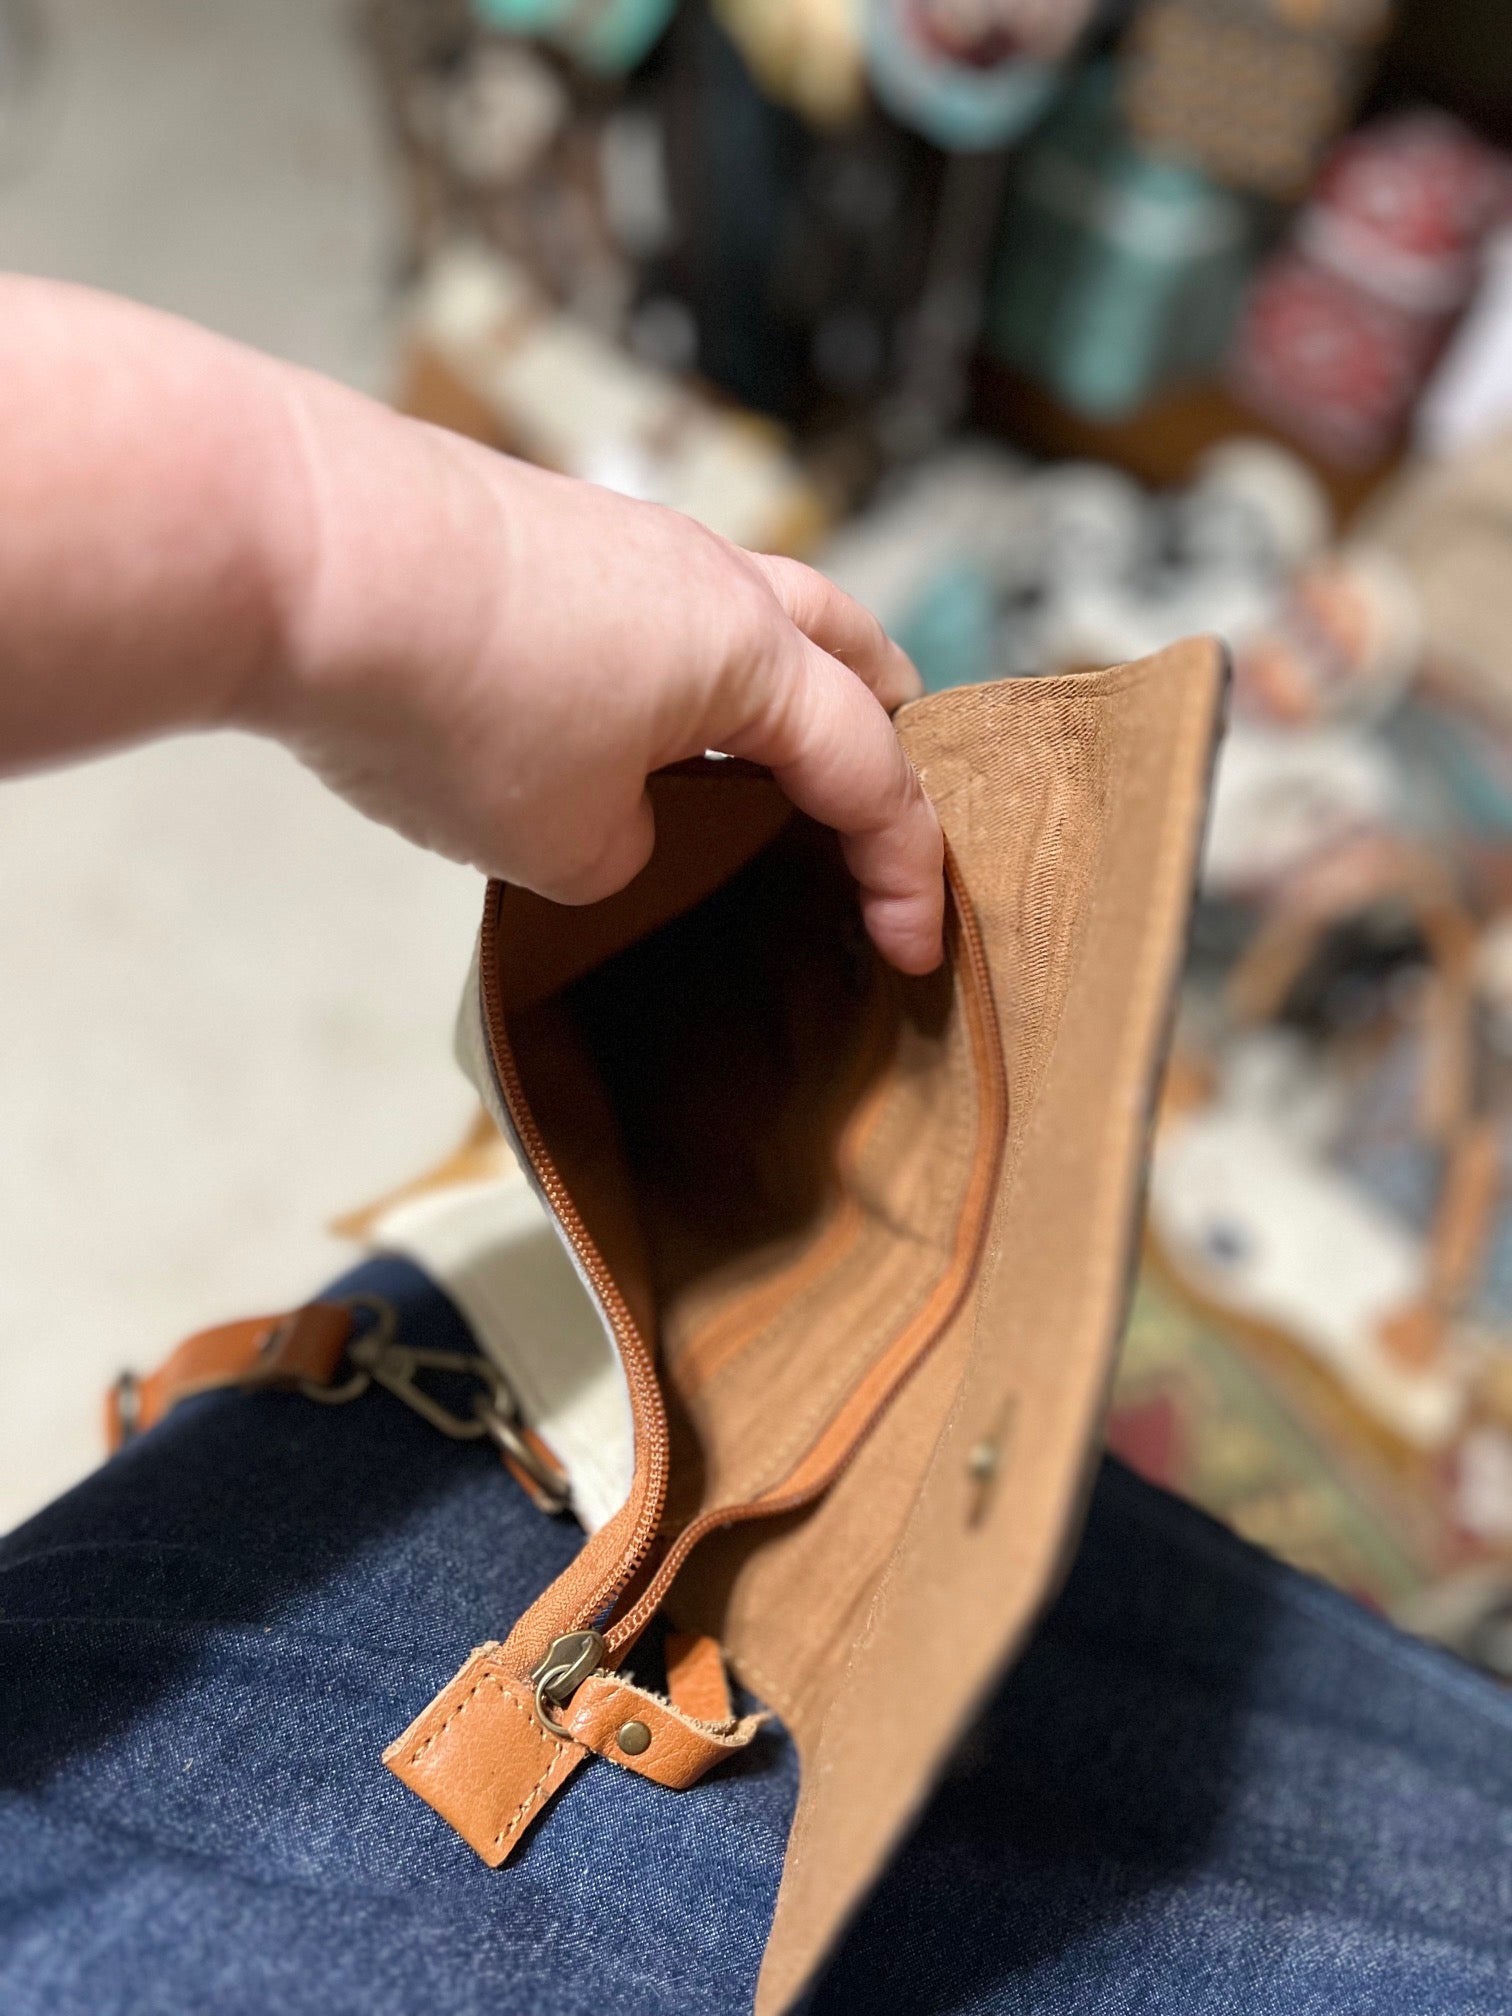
(1344, 323)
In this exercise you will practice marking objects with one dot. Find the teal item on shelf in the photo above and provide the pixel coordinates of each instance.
(523, 17)
(1459, 766)
(950, 628)
(608, 36)
(963, 106)
(1118, 271)
(615, 35)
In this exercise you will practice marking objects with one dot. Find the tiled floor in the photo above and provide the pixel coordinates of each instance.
(226, 1003)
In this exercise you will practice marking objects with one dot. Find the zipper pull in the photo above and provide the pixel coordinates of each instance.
(561, 1670)
(489, 1765)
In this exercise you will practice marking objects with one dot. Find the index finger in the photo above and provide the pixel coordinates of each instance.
(843, 627)
(830, 745)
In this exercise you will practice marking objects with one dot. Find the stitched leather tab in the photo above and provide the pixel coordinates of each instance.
(262, 1351)
(478, 1756)
(680, 1751)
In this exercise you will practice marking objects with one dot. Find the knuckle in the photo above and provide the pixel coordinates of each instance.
(788, 714)
(579, 869)
(602, 861)
(763, 660)
(578, 886)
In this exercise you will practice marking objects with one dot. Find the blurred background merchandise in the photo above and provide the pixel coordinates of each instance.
(1055, 331)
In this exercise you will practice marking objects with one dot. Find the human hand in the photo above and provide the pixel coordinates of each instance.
(486, 656)
(492, 659)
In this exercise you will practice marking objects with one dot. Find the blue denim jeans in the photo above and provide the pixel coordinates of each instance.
(1211, 1785)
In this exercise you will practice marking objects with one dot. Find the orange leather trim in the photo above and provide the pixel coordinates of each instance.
(681, 1749)
(696, 1679)
(726, 1337)
(477, 1755)
(259, 1352)
(593, 1581)
(479, 1758)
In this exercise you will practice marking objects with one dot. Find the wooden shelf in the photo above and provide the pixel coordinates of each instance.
(1161, 443)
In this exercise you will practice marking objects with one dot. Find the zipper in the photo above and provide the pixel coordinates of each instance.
(525, 1139)
(815, 1472)
(570, 1657)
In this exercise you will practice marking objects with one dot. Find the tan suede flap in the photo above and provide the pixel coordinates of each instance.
(863, 1243)
(1075, 807)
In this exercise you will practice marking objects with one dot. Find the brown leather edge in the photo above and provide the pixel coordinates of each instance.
(595, 1576)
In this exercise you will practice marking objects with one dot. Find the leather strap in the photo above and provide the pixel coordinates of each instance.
(616, 1719)
(282, 1352)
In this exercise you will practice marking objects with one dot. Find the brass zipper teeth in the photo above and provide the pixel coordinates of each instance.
(632, 1348)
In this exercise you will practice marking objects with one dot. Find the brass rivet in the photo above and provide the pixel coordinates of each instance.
(983, 1461)
(633, 1738)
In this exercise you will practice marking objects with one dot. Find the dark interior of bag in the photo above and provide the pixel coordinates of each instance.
(763, 1126)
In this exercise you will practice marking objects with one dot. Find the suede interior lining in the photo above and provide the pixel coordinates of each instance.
(767, 1131)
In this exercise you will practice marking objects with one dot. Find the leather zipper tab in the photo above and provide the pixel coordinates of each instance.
(477, 1755)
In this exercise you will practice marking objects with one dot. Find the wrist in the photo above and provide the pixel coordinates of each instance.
(383, 545)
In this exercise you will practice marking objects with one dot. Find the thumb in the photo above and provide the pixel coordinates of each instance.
(833, 750)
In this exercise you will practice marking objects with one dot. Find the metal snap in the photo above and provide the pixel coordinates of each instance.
(633, 1738)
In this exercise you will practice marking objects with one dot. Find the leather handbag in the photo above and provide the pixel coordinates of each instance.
(859, 1247)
